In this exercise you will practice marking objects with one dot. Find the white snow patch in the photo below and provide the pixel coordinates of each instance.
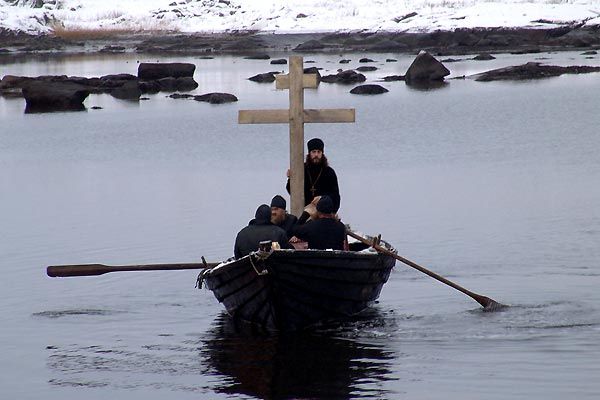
(285, 16)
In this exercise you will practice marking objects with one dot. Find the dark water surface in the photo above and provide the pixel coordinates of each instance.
(493, 185)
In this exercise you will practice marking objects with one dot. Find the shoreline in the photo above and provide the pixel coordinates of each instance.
(440, 43)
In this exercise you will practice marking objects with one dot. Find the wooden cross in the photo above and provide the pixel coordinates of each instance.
(296, 116)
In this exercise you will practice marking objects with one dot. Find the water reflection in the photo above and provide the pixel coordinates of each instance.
(308, 364)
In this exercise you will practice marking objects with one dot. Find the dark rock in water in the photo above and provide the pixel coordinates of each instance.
(149, 86)
(345, 61)
(112, 49)
(130, 90)
(531, 70)
(181, 96)
(366, 69)
(267, 77)
(484, 57)
(155, 71)
(391, 60)
(216, 98)
(392, 78)
(589, 53)
(369, 89)
(144, 98)
(258, 57)
(365, 60)
(309, 45)
(279, 61)
(186, 84)
(425, 68)
(4, 51)
(313, 70)
(244, 44)
(119, 77)
(96, 108)
(451, 60)
(167, 84)
(527, 51)
(54, 96)
(346, 77)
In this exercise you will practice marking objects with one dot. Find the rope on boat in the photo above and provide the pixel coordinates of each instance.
(260, 256)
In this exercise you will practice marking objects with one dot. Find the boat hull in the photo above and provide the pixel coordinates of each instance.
(293, 289)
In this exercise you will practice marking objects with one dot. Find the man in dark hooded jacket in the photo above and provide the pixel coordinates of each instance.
(325, 232)
(258, 230)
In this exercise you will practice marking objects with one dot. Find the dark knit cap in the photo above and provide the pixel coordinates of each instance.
(315, 144)
(325, 205)
(263, 213)
(278, 202)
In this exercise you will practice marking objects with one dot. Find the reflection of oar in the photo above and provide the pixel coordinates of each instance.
(99, 269)
(487, 303)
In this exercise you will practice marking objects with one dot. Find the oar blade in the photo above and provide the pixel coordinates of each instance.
(76, 270)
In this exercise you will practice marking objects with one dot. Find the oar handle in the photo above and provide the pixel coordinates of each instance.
(486, 302)
(99, 269)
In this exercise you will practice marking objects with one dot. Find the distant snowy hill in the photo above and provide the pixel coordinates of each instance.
(41, 16)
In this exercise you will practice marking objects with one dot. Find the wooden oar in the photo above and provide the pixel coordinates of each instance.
(487, 303)
(99, 269)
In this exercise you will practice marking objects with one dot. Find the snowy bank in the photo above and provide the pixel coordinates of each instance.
(291, 16)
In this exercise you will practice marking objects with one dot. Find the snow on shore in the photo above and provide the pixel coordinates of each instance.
(291, 16)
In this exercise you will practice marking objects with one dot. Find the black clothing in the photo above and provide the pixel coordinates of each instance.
(325, 205)
(323, 180)
(315, 144)
(288, 224)
(248, 238)
(323, 233)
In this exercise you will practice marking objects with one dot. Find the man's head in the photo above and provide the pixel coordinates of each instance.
(277, 210)
(325, 206)
(315, 154)
(263, 214)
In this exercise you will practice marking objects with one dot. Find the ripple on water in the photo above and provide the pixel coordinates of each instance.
(75, 312)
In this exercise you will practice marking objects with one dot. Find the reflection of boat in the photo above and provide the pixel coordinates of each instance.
(296, 365)
(292, 289)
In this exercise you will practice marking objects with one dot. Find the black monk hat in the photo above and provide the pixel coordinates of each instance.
(278, 202)
(325, 205)
(315, 144)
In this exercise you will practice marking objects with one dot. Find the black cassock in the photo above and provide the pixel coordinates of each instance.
(319, 181)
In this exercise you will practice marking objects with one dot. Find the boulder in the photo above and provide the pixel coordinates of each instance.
(484, 57)
(279, 61)
(366, 69)
(365, 60)
(216, 98)
(391, 78)
(186, 84)
(531, 70)
(130, 90)
(267, 77)
(258, 57)
(369, 89)
(347, 77)
(425, 68)
(167, 84)
(156, 71)
(54, 96)
(149, 86)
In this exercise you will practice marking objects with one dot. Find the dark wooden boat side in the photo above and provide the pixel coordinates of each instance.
(293, 289)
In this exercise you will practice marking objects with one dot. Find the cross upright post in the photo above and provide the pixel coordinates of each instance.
(296, 116)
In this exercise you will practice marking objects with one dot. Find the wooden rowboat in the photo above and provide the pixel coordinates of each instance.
(293, 289)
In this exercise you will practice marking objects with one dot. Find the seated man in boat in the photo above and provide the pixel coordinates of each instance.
(280, 217)
(258, 230)
(325, 231)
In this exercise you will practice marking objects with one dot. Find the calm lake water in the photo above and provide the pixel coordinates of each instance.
(495, 186)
